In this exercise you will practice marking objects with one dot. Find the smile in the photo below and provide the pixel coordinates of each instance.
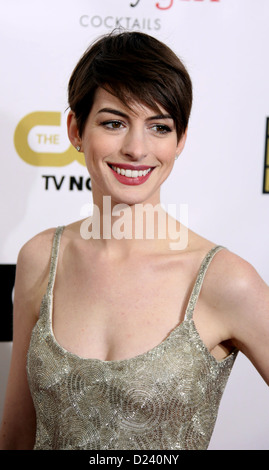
(130, 173)
(126, 174)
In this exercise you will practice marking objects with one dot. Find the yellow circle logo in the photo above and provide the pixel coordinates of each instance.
(40, 140)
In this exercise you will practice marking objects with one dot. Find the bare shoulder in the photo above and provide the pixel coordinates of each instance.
(244, 307)
(233, 289)
(33, 268)
(34, 258)
(237, 294)
(234, 280)
(35, 253)
(36, 247)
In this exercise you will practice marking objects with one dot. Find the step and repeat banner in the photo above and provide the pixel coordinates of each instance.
(223, 173)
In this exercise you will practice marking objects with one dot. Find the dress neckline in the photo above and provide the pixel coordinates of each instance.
(188, 320)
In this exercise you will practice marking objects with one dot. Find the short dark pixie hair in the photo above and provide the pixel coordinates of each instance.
(135, 67)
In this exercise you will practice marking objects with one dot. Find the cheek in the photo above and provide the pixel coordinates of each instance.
(167, 152)
(96, 149)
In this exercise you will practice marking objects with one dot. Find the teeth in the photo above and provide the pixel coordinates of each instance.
(131, 173)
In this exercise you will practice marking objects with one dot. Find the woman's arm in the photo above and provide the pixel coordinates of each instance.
(18, 422)
(250, 322)
(239, 298)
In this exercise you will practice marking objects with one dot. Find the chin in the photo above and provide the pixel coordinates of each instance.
(136, 197)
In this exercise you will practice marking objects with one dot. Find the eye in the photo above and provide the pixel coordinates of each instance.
(113, 125)
(161, 128)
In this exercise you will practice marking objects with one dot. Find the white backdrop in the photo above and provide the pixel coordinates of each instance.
(224, 45)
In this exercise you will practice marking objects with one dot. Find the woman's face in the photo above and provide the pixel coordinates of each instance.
(128, 153)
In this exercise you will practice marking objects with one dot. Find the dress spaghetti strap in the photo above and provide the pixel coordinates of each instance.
(199, 281)
(54, 258)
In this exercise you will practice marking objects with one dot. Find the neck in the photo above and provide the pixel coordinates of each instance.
(128, 228)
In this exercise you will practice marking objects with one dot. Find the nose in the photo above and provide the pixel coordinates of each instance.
(134, 145)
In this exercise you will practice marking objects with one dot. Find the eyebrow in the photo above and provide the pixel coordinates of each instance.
(120, 113)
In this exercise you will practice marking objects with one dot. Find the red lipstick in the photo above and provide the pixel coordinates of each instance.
(131, 174)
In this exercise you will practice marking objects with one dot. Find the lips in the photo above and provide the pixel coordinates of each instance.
(130, 174)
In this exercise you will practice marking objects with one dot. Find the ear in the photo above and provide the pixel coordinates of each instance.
(181, 143)
(72, 130)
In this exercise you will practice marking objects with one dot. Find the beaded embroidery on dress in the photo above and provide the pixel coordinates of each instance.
(164, 399)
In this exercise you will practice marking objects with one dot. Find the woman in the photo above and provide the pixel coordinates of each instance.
(135, 337)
